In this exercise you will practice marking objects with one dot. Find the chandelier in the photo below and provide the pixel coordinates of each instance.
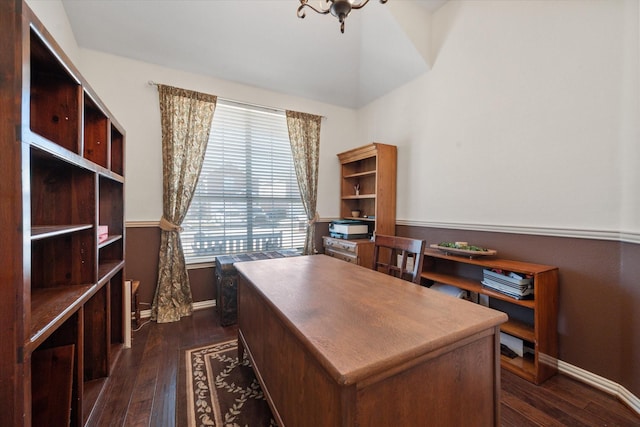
(338, 8)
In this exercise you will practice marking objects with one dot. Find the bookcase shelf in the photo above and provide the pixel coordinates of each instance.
(360, 197)
(473, 286)
(48, 231)
(52, 306)
(108, 269)
(110, 239)
(524, 367)
(520, 330)
(360, 174)
(62, 290)
(534, 321)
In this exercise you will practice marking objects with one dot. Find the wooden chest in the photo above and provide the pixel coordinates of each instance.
(227, 281)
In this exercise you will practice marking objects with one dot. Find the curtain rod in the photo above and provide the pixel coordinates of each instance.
(249, 104)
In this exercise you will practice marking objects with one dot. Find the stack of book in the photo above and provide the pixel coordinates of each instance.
(508, 283)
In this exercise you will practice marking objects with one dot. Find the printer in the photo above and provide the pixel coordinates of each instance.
(348, 229)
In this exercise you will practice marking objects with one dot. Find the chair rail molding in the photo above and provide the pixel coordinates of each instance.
(613, 235)
(142, 224)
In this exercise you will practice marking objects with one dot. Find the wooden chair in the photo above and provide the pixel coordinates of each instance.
(387, 251)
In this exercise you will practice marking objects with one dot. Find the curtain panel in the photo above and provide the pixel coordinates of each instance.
(186, 122)
(304, 135)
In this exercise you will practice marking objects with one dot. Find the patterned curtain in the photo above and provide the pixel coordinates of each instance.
(186, 121)
(304, 135)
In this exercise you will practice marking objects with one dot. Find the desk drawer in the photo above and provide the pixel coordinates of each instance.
(344, 256)
(358, 251)
(340, 244)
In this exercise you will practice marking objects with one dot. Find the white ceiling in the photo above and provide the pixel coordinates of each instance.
(260, 43)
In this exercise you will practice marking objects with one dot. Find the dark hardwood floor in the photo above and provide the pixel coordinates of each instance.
(142, 389)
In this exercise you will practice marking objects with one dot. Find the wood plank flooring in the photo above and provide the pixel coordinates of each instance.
(142, 389)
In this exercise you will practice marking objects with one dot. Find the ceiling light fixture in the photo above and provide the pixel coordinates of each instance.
(338, 8)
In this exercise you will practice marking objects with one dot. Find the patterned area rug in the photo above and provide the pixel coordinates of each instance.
(220, 390)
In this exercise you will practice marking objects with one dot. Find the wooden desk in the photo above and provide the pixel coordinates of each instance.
(335, 344)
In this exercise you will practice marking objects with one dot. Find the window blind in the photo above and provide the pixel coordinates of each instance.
(247, 197)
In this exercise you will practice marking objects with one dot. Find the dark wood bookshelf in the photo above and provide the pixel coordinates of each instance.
(63, 310)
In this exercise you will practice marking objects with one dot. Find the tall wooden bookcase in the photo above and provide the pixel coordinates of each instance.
(61, 182)
(372, 169)
(367, 185)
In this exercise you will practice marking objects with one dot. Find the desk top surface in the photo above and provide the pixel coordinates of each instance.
(359, 322)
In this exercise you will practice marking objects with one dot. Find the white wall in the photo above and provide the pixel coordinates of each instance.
(630, 129)
(528, 118)
(52, 14)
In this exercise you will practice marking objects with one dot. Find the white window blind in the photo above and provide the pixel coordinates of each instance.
(247, 198)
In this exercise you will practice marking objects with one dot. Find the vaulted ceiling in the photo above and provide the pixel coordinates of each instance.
(262, 43)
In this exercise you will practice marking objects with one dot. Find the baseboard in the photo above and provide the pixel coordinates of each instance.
(600, 383)
(199, 305)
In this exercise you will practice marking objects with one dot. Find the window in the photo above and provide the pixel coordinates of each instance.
(247, 198)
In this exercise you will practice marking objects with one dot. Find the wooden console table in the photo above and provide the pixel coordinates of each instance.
(343, 345)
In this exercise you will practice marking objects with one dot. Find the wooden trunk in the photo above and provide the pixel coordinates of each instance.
(227, 281)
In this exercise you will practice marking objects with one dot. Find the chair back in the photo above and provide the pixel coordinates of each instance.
(399, 256)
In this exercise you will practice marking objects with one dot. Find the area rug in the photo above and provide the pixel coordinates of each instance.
(220, 390)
